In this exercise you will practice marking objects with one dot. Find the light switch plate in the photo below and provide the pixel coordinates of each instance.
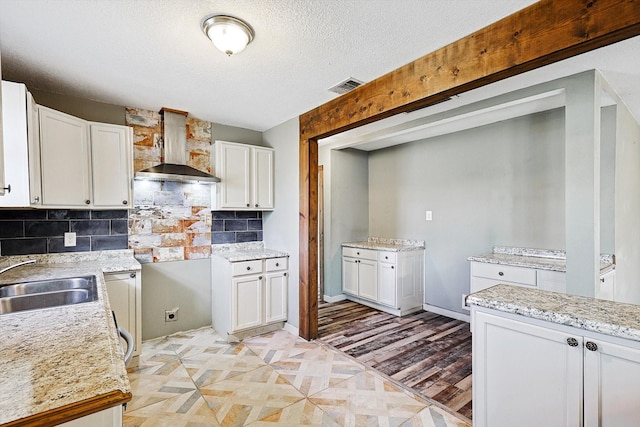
(69, 239)
(429, 216)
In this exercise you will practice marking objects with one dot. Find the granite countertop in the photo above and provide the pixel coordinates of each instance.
(393, 245)
(541, 259)
(59, 358)
(235, 252)
(596, 315)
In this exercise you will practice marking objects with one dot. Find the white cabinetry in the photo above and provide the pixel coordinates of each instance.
(20, 131)
(485, 275)
(84, 164)
(248, 297)
(387, 280)
(246, 177)
(2, 180)
(124, 290)
(534, 373)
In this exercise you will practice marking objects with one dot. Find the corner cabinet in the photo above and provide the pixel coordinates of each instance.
(84, 164)
(536, 373)
(248, 297)
(125, 299)
(246, 177)
(390, 281)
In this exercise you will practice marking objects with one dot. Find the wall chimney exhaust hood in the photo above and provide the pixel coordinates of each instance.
(175, 154)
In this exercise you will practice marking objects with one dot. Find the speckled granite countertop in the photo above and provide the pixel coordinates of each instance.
(61, 357)
(393, 245)
(606, 317)
(542, 259)
(235, 252)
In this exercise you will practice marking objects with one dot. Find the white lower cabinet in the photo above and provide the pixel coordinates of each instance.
(388, 280)
(111, 417)
(248, 296)
(534, 373)
(124, 290)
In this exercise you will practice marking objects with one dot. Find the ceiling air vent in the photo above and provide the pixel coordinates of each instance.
(346, 86)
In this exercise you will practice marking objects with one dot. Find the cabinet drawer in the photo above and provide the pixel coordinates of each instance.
(275, 264)
(386, 256)
(507, 273)
(246, 267)
(360, 253)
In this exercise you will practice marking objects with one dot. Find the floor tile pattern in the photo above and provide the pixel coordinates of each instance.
(195, 378)
(429, 353)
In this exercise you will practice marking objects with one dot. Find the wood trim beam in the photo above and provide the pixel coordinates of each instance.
(541, 34)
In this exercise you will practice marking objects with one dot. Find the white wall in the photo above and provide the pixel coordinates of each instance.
(281, 227)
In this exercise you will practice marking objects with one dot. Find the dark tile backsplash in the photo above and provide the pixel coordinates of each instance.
(236, 227)
(41, 231)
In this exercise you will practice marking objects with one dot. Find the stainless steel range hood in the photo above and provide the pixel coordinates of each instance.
(175, 154)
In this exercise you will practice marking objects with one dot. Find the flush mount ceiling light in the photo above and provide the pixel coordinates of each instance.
(229, 34)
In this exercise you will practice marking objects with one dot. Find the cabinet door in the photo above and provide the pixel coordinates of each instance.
(387, 284)
(611, 384)
(233, 162)
(605, 287)
(111, 164)
(276, 297)
(524, 375)
(368, 279)
(350, 275)
(124, 301)
(263, 178)
(65, 159)
(246, 302)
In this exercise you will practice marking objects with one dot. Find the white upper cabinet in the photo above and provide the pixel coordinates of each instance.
(2, 184)
(111, 156)
(20, 135)
(246, 177)
(84, 164)
(65, 159)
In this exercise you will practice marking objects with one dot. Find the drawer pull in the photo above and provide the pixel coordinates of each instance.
(277, 264)
(591, 346)
(260, 278)
(500, 273)
(392, 267)
(386, 257)
(285, 274)
(357, 253)
(572, 342)
(87, 202)
(132, 275)
(248, 268)
(124, 202)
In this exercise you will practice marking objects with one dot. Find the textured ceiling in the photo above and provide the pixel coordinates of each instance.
(152, 53)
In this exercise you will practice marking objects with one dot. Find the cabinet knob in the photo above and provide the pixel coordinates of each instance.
(285, 274)
(500, 273)
(572, 342)
(87, 202)
(392, 267)
(386, 257)
(8, 188)
(124, 202)
(602, 280)
(277, 264)
(256, 205)
(357, 253)
(132, 275)
(260, 278)
(36, 199)
(248, 205)
(591, 346)
(248, 268)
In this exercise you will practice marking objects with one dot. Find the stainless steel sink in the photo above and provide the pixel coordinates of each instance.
(47, 293)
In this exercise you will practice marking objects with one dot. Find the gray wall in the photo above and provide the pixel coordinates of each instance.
(281, 225)
(233, 134)
(500, 184)
(80, 107)
(183, 284)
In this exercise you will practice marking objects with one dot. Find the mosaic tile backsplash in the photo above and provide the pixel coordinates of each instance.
(41, 231)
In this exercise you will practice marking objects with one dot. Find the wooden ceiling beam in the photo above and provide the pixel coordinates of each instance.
(541, 34)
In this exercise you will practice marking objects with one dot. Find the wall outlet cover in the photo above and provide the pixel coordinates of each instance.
(171, 315)
(69, 239)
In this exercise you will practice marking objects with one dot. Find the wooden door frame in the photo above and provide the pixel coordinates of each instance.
(541, 34)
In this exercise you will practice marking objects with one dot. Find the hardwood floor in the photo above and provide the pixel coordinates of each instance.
(427, 352)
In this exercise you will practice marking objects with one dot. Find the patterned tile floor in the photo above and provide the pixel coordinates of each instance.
(195, 378)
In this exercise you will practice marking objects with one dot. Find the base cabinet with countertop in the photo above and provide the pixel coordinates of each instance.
(125, 299)
(532, 372)
(386, 274)
(249, 296)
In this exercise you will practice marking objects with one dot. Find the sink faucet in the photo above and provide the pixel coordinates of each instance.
(31, 261)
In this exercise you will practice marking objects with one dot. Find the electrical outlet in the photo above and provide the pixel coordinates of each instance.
(171, 315)
(429, 216)
(69, 239)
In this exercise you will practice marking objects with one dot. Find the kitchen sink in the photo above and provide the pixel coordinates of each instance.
(47, 293)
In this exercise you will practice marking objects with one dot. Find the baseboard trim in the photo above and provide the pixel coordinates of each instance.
(334, 298)
(448, 313)
(291, 329)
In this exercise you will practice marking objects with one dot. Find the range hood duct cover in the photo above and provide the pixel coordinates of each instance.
(175, 154)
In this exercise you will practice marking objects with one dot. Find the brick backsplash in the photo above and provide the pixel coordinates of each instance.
(236, 227)
(41, 231)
